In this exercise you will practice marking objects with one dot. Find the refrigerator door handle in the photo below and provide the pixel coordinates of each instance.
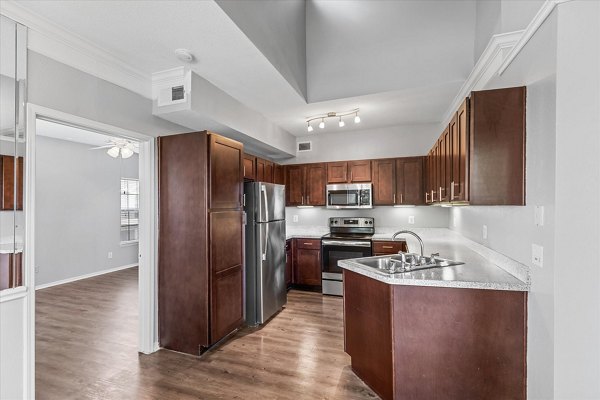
(264, 206)
(264, 256)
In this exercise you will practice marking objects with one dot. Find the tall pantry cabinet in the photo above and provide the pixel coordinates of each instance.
(200, 261)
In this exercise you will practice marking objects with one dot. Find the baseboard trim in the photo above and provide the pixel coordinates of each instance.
(80, 277)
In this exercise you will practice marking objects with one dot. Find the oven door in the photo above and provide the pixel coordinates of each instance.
(336, 250)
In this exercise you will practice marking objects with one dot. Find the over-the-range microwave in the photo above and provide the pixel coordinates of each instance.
(352, 195)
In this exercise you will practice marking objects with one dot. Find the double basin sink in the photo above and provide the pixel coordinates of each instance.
(408, 262)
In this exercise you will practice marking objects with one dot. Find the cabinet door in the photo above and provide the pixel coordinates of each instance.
(384, 180)
(249, 167)
(289, 262)
(337, 172)
(460, 154)
(315, 182)
(294, 185)
(278, 174)
(227, 311)
(226, 172)
(268, 172)
(360, 171)
(430, 177)
(445, 158)
(497, 147)
(260, 169)
(435, 173)
(409, 181)
(308, 267)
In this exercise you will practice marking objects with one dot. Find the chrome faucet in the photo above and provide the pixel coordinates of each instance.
(413, 234)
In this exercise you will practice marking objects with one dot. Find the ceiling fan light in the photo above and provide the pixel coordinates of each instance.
(341, 123)
(126, 152)
(356, 119)
(113, 152)
(322, 123)
(310, 128)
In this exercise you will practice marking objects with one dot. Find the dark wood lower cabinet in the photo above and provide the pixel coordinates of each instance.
(227, 312)
(307, 262)
(416, 342)
(289, 262)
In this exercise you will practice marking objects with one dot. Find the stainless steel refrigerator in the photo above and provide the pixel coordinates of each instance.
(266, 291)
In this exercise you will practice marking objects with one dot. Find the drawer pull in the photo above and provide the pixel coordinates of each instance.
(387, 247)
(308, 244)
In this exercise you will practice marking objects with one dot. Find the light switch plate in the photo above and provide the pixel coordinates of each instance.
(411, 219)
(110, 254)
(484, 231)
(294, 218)
(537, 255)
(539, 215)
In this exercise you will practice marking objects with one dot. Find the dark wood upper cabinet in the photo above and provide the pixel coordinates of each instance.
(305, 184)
(294, 185)
(384, 182)
(359, 171)
(409, 181)
(337, 172)
(226, 172)
(249, 167)
(349, 171)
(459, 130)
(9, 180)
(200, 270)
(260, 169)
(268, 172)
(315, 183)
(497, 147)
(480, 157)
(278, 174)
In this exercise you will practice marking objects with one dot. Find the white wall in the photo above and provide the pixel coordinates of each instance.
(78, 210)
(394, 141)
(282, 40)
(577, 278)
(385, 217)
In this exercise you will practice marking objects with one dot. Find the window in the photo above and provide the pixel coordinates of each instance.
(130, 204)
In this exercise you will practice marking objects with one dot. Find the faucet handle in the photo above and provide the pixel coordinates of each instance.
(433, 256)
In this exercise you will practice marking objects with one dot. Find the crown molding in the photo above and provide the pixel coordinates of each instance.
(486, 68)
(51, 40)
(537, 21)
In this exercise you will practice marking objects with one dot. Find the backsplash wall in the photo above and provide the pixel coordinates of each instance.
(385, 217)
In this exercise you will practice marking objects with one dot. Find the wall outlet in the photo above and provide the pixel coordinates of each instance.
(110, 254)
(484, 232)
(537, 255)
(539, 215)
(294, 218)
(411, 219)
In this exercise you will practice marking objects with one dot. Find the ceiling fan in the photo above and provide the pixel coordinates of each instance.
(123, 147)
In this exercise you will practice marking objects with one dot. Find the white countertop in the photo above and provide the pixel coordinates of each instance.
(308, 232)
(8, 248)
(483, 268)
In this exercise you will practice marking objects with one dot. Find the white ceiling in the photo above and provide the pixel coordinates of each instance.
(400, 62)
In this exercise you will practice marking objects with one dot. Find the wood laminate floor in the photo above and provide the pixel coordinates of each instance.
(86, 348)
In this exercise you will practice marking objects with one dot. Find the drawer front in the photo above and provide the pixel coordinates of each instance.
(309, 244)
(389, 247)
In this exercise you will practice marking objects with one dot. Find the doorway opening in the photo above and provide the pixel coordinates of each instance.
(90, 246)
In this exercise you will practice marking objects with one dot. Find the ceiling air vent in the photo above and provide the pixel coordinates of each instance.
(177, 93)
(304, 146)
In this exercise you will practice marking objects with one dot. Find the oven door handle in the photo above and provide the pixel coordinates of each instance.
(345, 243)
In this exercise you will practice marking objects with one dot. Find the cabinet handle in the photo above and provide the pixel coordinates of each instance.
(307, 199)
(307, 244)
(394, 198)
(387, 247)
(440, 194)
(426, 197)
(451, 190)
(244, 170)
(432, 195)
(351, 175)
(303, 199)
(401, 200)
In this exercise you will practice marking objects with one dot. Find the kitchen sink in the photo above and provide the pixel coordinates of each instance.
(412, 262)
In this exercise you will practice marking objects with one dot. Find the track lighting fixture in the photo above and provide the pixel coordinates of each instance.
(332, 114)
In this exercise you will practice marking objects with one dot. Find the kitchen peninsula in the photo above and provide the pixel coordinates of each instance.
(451, 332)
